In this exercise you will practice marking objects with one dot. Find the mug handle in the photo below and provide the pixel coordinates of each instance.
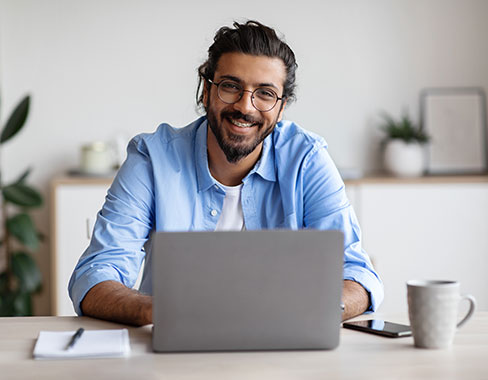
(472, 306)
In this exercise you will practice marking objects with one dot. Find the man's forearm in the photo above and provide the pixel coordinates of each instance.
(113, 301)
(110, 300)
(355, 298)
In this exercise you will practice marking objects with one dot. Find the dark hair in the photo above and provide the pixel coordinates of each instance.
(251, 38)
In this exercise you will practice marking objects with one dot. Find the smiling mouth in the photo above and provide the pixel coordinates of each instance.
(241, 124)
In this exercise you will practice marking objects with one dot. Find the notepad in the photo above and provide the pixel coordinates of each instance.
(92, 344)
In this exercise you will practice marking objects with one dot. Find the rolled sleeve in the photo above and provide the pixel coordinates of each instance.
(122, 228)
(369, 281)
(326, 207)
(81, 283)
(357, 264)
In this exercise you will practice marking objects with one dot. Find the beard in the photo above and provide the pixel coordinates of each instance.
(235, 147)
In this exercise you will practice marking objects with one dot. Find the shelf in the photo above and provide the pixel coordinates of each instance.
(82, 180)
(444, 179)
(373, 179)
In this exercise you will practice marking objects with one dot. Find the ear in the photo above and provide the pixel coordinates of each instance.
(205, 93)
(282, 109)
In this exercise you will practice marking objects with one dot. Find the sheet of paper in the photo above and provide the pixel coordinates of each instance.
(92, 344)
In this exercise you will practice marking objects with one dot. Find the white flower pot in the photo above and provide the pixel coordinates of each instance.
(404, 159)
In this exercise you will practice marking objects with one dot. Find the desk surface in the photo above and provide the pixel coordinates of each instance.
(359, 356)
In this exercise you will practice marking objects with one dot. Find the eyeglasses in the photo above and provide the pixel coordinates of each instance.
(262, 98)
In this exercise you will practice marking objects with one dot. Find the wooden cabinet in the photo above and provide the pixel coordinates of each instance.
(76, 202)
(435, 228)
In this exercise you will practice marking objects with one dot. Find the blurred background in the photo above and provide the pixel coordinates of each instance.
(106, 70)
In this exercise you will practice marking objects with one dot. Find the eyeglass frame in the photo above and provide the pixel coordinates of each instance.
(242, 93)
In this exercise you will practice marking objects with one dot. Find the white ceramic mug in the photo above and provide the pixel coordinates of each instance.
(433, 308)
(96, 158)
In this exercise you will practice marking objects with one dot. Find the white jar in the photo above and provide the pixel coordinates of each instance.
(404, 159)
(96, 158)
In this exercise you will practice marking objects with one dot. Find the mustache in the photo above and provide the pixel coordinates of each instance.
(239, 115)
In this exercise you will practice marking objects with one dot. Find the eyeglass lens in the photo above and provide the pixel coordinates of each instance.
(263, 99)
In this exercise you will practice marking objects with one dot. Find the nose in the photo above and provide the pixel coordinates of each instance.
(244, 105)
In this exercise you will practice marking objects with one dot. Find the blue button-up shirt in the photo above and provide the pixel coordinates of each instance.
(165, 185)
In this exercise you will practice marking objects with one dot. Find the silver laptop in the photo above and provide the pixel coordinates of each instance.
(247, 290)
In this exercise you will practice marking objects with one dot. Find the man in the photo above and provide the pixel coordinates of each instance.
(238, 167)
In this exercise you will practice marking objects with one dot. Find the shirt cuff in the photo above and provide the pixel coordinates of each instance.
(86, 281)
(368, 281)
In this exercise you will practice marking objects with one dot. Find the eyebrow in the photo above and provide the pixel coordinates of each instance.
(238, 80)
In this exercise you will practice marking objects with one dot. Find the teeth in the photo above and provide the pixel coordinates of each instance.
(239, 124)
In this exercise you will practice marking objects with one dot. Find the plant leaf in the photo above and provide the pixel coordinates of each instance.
(22, 195)
(22, 304)
(3, 283)
(25, 269)
(15, 303)
(23, 176)
(404, 129)
(16, 120)
(23, 229)
(7, 308)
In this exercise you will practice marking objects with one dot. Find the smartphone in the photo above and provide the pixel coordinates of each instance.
(380, 327)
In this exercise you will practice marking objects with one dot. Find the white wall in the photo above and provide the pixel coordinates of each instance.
(99, 68)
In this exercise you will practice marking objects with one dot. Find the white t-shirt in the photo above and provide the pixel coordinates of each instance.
(231, 218)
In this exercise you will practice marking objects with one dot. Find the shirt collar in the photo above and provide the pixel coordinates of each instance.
(204, 178)
(265, 167)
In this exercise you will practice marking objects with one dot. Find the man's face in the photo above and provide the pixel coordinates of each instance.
(240, 128)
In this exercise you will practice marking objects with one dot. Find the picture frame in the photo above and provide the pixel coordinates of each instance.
(455, 120)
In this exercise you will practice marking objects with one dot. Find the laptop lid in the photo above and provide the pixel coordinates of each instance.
(247, 290)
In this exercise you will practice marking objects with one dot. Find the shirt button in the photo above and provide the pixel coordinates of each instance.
(213, 212)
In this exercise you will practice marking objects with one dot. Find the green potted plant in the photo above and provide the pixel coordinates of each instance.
(404, 142)
(20, 277)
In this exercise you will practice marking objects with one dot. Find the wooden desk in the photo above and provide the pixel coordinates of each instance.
(359, 356)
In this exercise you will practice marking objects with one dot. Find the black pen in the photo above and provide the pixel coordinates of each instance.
(75, 338)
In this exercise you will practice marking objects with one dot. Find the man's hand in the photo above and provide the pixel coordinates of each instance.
(355, 298)
(112, 301)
